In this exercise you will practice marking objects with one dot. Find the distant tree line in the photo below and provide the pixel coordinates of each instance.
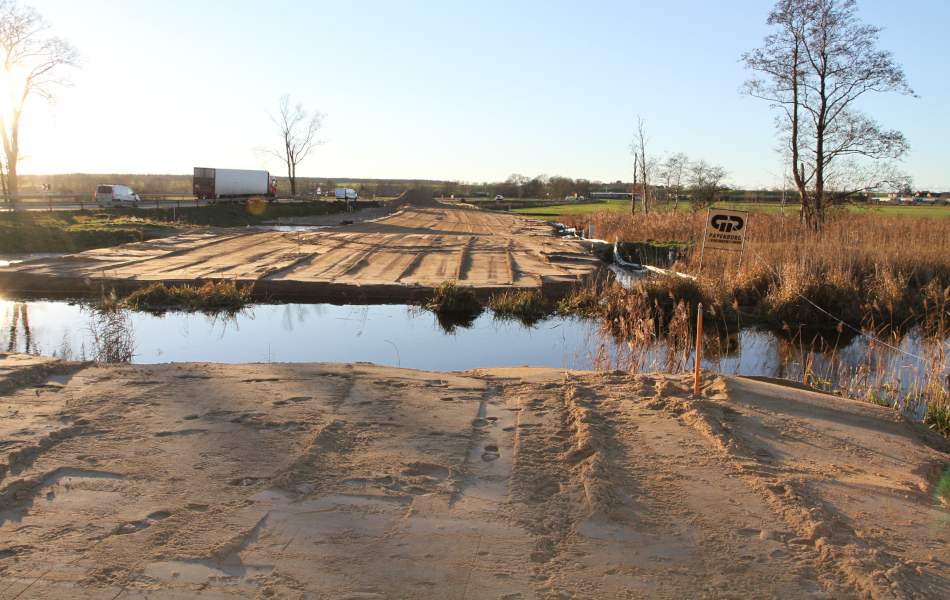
(677, 180)
(515, 186)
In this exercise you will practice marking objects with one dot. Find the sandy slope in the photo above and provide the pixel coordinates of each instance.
(359, 481)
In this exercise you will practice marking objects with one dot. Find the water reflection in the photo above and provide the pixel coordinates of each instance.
(289, 227)
(111, 336)
(17, 315)
(396, 335)
(910, 372)
(390, 335)
(451, 322)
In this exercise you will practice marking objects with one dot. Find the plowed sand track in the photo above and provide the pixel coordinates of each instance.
(400, 256)
(355, 481)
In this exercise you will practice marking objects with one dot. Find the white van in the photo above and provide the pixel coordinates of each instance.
(345, 194)
(115, 193)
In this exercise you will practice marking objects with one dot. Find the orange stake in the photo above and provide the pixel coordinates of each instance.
(699, 344)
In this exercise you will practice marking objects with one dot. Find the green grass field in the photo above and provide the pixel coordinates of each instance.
(574, 209)
(791, 209)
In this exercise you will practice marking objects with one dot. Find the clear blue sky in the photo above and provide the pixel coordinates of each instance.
(470, 91)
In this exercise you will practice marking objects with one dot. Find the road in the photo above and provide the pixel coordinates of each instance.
(398, 257)
(89, 203)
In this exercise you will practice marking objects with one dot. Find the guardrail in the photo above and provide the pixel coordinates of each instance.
(45, 197)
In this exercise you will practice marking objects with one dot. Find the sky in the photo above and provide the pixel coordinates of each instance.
(466, 91)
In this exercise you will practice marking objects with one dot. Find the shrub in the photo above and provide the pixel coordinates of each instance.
(450, 298)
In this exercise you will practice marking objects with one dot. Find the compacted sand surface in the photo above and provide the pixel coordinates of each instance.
(359, 481)
(398, 256)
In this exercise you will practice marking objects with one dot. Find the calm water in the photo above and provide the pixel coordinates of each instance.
(393, 335)
(398, 335)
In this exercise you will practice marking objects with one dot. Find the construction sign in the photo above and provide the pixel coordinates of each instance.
(725, 229)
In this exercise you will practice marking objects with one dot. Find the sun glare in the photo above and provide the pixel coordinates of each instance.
(12, 80)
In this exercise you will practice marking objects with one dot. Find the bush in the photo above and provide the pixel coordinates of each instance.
(450, 298)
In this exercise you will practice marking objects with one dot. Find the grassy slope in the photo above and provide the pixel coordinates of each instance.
(75, 231)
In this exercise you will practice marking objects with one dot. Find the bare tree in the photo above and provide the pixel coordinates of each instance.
(705, 183)
(643, 167)
(297, 128)
(818, 62)
(671, 173)
(33, 65)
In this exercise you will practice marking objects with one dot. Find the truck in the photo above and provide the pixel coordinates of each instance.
(210, 184)
(345, 194)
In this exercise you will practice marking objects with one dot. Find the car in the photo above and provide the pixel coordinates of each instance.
(499, 197)
(106, 192)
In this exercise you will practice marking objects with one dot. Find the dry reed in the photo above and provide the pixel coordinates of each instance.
(872, 271)
(886, 277)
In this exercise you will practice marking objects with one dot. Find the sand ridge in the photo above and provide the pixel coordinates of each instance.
(360, 481)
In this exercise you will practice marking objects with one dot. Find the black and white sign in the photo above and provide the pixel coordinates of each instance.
(725, 229)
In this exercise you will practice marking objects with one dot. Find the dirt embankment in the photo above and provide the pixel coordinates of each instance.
(358, 481)
(397, 257)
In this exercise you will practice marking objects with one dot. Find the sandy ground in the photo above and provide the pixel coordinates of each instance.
(359, 481)
(394, 257)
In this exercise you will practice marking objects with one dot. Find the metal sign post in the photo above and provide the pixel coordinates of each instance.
(725, 230)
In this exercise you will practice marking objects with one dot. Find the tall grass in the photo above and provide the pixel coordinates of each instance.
(527, 306)
(212, 294)
(449, 297)
(883, 273)
(886, 277)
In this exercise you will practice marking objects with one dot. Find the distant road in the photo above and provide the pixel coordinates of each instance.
(88, 202)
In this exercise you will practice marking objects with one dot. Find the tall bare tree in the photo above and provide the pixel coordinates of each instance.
(816, 64)
(298, 129)
(34, 64)
(643, 167)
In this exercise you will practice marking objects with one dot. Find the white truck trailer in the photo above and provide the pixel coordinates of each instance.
(233, 183)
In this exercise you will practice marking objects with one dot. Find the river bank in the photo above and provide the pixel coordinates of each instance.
(312, 480)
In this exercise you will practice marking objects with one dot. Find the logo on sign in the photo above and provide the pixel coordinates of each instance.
(727, 223)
